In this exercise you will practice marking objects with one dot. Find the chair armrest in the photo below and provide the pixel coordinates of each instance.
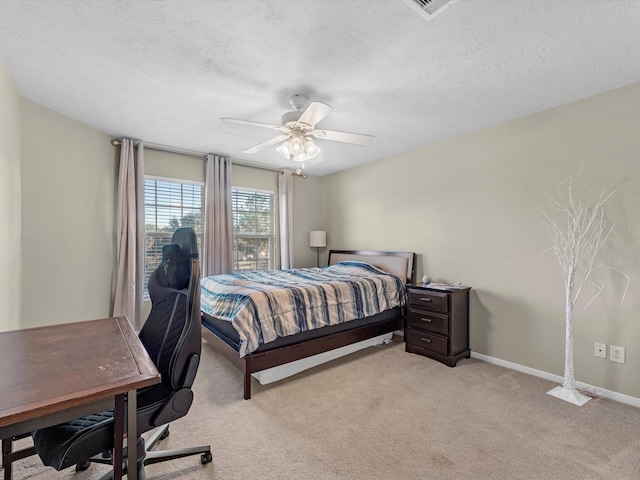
(191, 370)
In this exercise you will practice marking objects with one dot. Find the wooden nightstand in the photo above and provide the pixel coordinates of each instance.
(438, 323)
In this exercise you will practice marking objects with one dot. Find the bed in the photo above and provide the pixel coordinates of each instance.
(313, 343)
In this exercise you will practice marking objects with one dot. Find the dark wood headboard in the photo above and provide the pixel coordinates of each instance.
(398, 263)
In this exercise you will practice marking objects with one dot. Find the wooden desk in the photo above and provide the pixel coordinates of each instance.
(53, 374)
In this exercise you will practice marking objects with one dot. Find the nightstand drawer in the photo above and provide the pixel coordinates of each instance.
(433, 322)
(427, 341)
(429, 299)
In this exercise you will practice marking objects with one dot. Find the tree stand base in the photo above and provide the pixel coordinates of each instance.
(570, 395)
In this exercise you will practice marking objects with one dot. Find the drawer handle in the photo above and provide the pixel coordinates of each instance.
(428, 340)
(423, 299)
(428, 320)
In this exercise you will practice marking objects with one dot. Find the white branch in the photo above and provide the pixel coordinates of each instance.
(577, 242)
(577, 237)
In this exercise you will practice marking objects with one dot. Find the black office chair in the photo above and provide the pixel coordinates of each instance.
(172, 338)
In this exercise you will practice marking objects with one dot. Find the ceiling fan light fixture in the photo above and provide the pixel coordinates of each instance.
(310, 148)
(299, 149)
(296, 145)
(283, 149)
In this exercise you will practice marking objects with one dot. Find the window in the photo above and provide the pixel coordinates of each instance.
(254, 230)
(168, 205)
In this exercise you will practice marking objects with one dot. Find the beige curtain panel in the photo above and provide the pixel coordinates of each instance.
(219, 218)
(130, 234)
(285, 195)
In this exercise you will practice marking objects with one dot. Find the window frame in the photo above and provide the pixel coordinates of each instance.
(273, 237)
(169, 235)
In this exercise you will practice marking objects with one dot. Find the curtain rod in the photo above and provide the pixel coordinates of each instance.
(116, 143)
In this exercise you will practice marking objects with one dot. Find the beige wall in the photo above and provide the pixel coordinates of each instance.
(171, 165)
(10, 205)
(68, 203)
(469, 208)
(308, 214)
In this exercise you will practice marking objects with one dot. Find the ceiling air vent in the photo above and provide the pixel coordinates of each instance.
(429, 8)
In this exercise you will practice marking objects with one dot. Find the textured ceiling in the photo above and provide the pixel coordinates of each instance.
(165, 72)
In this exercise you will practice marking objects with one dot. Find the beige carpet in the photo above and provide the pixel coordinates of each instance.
(389, 415)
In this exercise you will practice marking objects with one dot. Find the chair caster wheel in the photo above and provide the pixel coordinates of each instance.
(206, 457)
(82, 466)
(164, 435)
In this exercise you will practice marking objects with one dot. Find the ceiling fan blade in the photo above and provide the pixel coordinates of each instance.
(251, 123)
(268, 143)
(356, 138)
(314, 113)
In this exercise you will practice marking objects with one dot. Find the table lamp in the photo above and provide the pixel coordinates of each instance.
(317, 239)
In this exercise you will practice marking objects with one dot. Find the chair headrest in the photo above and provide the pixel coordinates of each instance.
(185, 238)
(173, 272)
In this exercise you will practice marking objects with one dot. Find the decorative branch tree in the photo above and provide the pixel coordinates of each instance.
(577, 240)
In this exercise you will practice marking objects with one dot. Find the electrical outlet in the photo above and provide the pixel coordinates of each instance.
(616, 354)
(600, 350)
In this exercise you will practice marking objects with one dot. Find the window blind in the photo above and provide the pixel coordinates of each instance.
(168, 205)
(254, 229)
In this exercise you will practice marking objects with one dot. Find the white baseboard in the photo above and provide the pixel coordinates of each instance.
(598, 391)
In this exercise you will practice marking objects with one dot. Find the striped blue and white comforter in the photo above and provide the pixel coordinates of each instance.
(263, 306)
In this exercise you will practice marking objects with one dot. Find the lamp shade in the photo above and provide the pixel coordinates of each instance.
(317, 238)
(298, 148)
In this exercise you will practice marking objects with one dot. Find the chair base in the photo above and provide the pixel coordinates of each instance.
(147, 456)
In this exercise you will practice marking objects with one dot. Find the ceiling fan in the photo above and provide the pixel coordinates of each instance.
(299, 126)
